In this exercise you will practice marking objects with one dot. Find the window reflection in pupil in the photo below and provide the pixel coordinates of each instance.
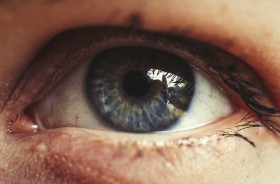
(138, 89)
(135, 83)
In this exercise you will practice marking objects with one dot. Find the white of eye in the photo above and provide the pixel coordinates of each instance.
(67, 105)
(208, 105)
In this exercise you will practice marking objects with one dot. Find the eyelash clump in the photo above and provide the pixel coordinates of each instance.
(250, 91)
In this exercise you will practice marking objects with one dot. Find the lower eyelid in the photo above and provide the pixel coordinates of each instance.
(76, 154)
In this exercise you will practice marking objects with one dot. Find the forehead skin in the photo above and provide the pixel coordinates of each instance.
(248, 29)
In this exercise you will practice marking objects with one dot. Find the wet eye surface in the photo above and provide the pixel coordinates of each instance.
(134, 89)
(136, 81)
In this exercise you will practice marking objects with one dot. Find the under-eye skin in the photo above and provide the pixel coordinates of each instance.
(75, 47)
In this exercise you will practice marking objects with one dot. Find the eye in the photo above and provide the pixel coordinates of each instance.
(136, 81)
(134, 89)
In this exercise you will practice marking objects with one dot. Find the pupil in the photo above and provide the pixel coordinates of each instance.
(135, 83)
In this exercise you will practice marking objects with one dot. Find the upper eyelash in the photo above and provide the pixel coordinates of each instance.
(249, 97)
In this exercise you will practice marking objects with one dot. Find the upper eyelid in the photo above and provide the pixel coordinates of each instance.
(137, 19)
(54, 67)
(70, 56)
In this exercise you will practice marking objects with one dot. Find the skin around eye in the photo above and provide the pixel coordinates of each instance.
(72, 155)
(76, 104)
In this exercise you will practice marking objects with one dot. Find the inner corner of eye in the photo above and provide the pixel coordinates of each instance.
(22, 123)
(134, 89)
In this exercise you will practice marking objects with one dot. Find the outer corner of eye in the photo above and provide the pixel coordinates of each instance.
(134, 89)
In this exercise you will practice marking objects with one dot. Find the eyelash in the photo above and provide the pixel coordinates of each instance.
(249, 96)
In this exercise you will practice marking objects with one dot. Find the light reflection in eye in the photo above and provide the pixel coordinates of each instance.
(156, 74)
